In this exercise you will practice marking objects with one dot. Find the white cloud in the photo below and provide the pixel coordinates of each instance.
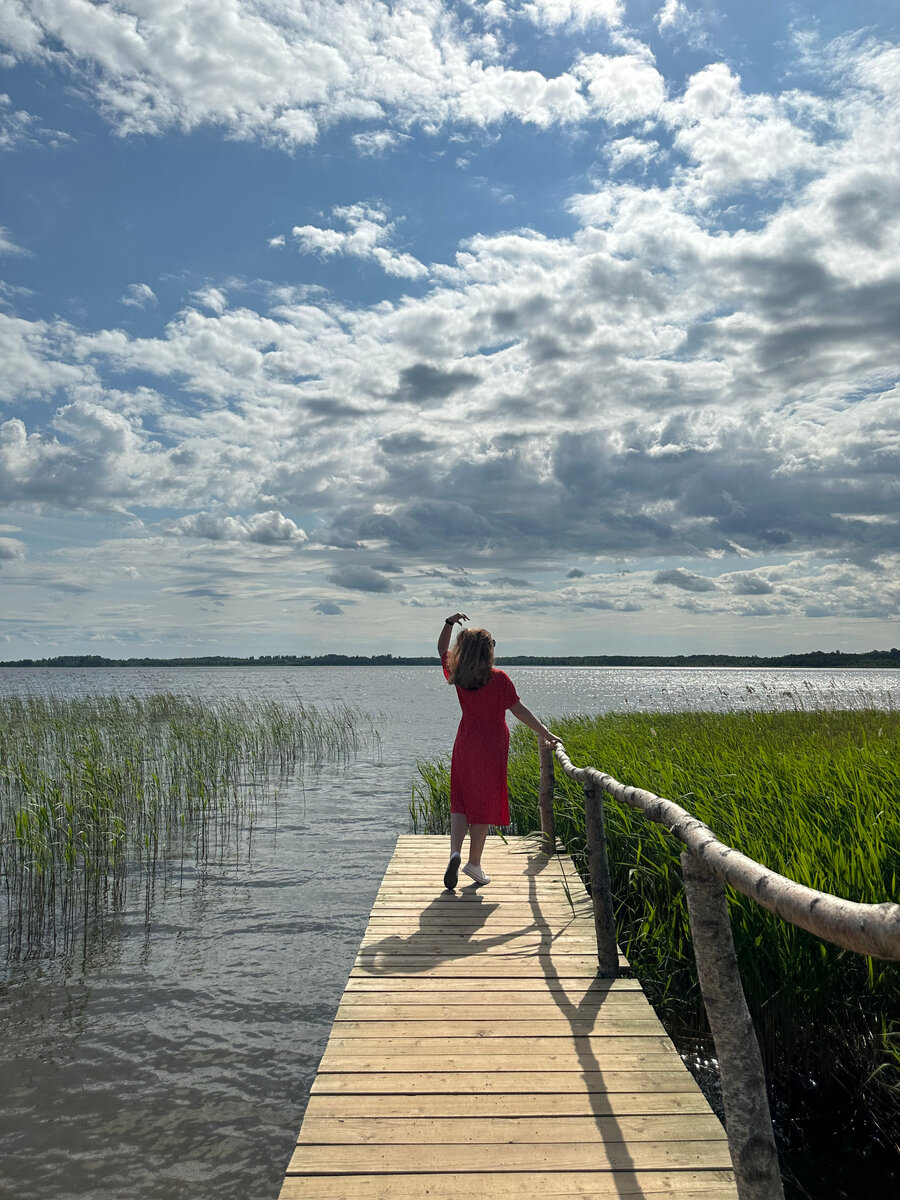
(664, 384)
(676, 18)
(626, 151)
(377, 141)
(19, 128)
(282, 73)
(269, 528)
(575, 12)
(11, 550)
(7, 245)
(212, 298)
(368, 236)
(138, 295)
(622, 88)
(735, 140)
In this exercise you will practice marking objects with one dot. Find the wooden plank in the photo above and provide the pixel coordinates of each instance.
(446, 1186)
(439, 1131)
(476, 1046)
(672, 1079)
(497, 1027)
(564, 1059)
(626, 1006)
(474, 966)
(539, 1156)
(510, 1106)
(524, 988)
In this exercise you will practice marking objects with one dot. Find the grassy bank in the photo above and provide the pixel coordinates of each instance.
(812, 795)
(93, 788)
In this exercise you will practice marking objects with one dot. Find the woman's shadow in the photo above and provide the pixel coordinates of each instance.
(445, 934)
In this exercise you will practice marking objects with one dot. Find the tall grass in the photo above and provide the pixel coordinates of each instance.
(91, 788)
(812, 795)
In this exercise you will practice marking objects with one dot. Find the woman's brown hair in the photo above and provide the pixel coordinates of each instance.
(470, 659)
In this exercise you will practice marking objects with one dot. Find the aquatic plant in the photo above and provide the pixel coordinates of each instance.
(812, 795)
(94, 788)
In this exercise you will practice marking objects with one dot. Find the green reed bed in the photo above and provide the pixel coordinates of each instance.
(91, 788)
(812, 795)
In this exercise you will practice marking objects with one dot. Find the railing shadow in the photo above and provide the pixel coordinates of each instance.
(397, 955)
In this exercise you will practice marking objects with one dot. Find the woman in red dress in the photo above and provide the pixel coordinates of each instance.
(478, 796)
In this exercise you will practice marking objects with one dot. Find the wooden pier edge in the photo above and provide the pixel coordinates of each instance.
(478, 1048)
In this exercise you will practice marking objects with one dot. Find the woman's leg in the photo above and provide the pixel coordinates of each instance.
(459, 825)
(477, 838)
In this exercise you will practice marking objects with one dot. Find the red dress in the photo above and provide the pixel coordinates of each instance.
(481, 750)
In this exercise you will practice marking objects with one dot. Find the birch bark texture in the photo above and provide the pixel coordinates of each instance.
(871, 929)
(748, 1122)
(601, 889)
(545, 799)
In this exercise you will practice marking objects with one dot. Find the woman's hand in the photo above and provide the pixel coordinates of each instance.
(456, 619)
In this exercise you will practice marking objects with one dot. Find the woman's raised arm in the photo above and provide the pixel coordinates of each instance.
(446, 632)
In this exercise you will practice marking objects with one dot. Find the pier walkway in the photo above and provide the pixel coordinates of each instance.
(476, 1053)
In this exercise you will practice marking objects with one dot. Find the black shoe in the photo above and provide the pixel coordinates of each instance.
(452, 873)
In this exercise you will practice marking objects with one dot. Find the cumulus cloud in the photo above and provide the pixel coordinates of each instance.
(375, 142)
(735, 140)
(268, 528)
(749, 584)
(662, 382)
(139, 295)
(11, 550)
(622, 88)
(368, 235)
(327, 608)
(285, 73)
(362, 579)
(506, 581)
(685, 580)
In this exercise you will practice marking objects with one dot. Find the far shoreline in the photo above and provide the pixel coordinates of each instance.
(814, 660)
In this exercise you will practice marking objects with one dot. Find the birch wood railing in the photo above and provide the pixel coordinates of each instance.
(707, 865)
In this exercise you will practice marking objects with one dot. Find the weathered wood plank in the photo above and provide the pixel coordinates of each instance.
(357, 1080)
(539, 1156)
(476, 1041)
(496, 1027)
(644, 1185)
(439, 1131)
(627, 1007)
(678, 1186)
(523, 988)
(511, 1106)
(563, 1059)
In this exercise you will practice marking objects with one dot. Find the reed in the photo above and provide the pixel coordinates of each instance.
(812, 795)
(93, 788)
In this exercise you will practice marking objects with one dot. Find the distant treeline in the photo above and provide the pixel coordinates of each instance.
(828, 659)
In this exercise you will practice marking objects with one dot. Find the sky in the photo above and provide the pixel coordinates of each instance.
(321, 320)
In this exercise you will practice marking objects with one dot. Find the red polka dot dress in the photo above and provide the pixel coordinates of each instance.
(481, 750)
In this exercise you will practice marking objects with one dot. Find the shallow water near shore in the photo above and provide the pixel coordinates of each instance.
(175, 1047)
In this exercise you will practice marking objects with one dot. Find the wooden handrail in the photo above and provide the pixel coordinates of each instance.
(870, 929)
(707, 865)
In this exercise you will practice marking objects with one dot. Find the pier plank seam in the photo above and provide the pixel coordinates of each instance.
(476, 1046)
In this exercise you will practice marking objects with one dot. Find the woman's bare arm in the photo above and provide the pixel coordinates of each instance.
(447, 631)
(527, 717)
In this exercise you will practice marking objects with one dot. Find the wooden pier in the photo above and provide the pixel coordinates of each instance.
(476, 1052)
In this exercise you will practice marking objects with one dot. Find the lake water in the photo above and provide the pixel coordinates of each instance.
(175, 1053)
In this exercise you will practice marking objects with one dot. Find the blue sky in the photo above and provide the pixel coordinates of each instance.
(319, 321)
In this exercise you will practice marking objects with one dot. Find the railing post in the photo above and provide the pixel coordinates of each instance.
(747, 1118)
(545, 801)
(601, 892)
